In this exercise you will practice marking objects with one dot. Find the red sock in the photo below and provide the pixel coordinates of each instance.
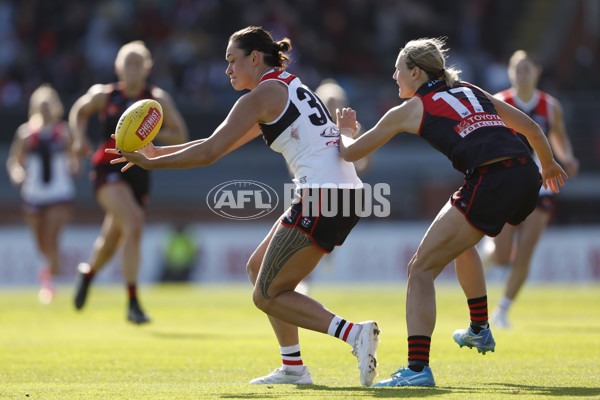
(132, 290)
(478, 312)
(291, 358)
(418, 352)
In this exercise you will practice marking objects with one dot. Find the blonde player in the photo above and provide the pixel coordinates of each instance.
(122, 195)
(41, 162)
(472, 129)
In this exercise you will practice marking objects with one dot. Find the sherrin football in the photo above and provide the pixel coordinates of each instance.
(138, 125)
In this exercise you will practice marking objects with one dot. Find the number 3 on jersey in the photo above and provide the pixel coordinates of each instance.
(456, 104)
(321, 115)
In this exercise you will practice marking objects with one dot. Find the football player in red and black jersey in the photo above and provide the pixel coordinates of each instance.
(122, 195)
(477, 133)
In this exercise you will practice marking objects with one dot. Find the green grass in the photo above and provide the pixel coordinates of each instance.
(208, 341)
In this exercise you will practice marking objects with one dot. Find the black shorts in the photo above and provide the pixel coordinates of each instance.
(503, 192)
(137, 178)
(326, 232)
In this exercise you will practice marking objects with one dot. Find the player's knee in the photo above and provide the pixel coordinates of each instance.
(419, 270)
(252, 268)
(260, 299)
(134, 225)
(412, 266)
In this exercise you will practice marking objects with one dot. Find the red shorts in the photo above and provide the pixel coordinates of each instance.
(503, 192)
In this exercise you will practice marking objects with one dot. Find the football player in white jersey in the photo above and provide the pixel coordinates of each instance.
(514, 247)
(41, 162)
(296, 123)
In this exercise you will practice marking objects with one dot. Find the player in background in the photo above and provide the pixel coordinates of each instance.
(294, 122)
(513, 248)
(473, 130)
(41, 162)
(122, 195)
(334, 97)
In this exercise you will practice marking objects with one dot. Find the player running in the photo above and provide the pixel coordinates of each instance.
(502, 181)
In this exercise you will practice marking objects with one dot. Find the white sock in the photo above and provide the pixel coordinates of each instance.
(291, 360)
(504, 304)
(345, 330)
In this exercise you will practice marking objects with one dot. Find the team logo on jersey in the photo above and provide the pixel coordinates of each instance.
(242, 200)
(284, 75)
(330, 131)
(306, 222)
(477, 121)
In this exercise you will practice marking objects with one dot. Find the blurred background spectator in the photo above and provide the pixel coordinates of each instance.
(179, 254)
(71, 45)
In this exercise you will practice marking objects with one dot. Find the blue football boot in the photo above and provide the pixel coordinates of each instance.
(483, 341)
(408, 377)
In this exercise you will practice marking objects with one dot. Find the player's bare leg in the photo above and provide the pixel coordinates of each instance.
(529, 234)
(288, 256)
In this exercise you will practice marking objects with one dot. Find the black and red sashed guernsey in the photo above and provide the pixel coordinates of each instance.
(104, 172)
(116, 104)
(462, 123)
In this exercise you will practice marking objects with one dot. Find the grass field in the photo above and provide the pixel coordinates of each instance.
(208, 341)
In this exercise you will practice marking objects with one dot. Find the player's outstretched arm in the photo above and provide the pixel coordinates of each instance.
(403, 118)
(238, 128)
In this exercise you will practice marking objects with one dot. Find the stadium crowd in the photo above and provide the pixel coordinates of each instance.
(71, 44)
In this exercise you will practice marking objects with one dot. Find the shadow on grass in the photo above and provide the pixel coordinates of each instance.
(531, 391)
(344, 392)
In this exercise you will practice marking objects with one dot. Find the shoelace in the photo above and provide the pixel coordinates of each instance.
(398, 373)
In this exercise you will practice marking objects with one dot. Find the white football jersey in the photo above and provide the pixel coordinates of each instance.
(47, 176)
(307, 137)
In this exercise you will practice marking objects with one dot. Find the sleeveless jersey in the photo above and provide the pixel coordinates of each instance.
(47, 176)
(539, 109)
(116, 105)
(307, 137)
(462, 123)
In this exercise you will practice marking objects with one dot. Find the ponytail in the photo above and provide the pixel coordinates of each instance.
(256, 38)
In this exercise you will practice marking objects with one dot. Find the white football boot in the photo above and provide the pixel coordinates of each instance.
(365, 350)
(281, 376)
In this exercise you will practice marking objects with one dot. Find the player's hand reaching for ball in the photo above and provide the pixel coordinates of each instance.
(141, 157)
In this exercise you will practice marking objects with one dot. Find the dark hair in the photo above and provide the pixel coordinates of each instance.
(256, 38)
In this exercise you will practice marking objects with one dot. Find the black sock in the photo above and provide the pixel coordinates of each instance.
(132, 292)
(479, 313)
(478, 328)
(418, 352)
